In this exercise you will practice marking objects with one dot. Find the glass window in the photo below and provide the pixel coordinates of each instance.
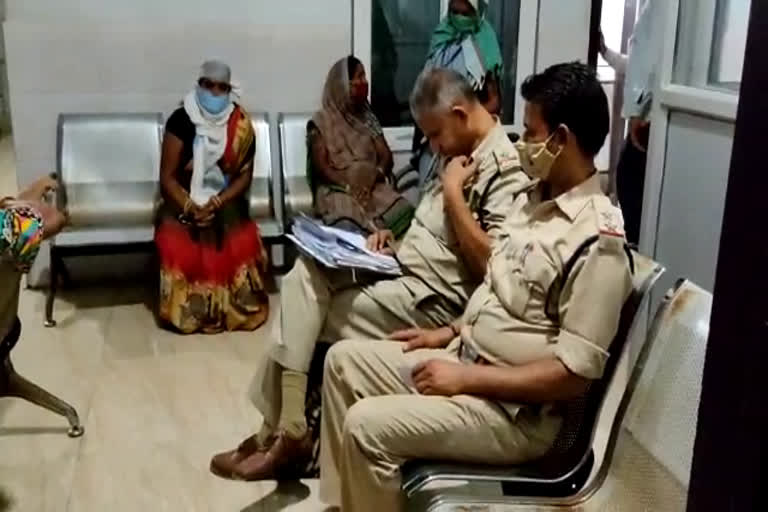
(730, 41)
(400, 35)
(504, 17)
(713, 58)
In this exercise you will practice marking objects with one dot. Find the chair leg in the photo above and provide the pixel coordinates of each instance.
(14, 385)
(66, 278)
(52, 287)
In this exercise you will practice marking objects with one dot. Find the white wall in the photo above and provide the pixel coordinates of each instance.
(563, 32)
(143, 55)
(612, 23)
(612, 26)
(296, 12)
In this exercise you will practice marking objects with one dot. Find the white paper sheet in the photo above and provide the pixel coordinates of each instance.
(336, 248)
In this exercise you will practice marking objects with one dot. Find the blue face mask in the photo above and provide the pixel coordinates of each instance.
(210, 102)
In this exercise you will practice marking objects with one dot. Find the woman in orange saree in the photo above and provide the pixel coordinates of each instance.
(211, 255)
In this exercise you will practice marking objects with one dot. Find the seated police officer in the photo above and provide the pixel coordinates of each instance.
(488, 389)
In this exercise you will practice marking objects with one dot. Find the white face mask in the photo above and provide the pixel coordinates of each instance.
(536, 158)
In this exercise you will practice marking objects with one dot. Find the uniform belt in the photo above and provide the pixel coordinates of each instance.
(469, 355)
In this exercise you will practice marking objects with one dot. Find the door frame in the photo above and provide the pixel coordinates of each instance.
(671, 97)
(728, 455)
(400, 138)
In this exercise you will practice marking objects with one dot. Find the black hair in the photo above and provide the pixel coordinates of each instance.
(352, 63)
(571, 94)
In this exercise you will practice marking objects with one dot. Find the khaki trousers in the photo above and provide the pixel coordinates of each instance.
(372, 422)
(313, 310)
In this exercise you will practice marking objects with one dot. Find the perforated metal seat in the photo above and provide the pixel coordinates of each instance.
(565, 469)
(89, 204)
(95, 237)
(293, 156)
(650, 447)
(108, 169)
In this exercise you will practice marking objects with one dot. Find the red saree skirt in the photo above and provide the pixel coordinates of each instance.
(211, 279)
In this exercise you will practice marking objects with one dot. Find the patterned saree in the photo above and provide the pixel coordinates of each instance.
(211, 277)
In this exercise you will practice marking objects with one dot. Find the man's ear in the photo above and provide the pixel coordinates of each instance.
(561, 135)
(460, 111)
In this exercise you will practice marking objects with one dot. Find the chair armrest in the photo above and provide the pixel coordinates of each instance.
(260, 200)
(406, 178)
(404, 172)
(298, 196)
(407, 184)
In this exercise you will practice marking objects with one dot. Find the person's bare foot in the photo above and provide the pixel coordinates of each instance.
(284, 453)
(224, 464)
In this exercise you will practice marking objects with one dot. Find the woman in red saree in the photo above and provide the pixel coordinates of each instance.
(211, 255)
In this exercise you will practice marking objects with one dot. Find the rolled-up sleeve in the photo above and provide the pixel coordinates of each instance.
(590, 307)
(502, 196)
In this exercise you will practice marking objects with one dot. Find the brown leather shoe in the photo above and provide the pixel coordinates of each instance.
(284, 454)
(224, 464)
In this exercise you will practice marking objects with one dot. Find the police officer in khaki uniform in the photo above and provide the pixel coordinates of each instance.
(530, 337)
(444, 255)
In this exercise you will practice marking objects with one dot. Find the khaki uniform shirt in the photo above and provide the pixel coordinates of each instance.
(505, 321)
(430, 250)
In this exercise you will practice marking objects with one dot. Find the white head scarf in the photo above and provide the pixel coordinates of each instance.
(210, 137)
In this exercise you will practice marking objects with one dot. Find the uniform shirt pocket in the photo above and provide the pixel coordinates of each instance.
(540, 274)
(521, 281)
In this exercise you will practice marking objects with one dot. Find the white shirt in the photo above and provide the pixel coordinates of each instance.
(642, 63)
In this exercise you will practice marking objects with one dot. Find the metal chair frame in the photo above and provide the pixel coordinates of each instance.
(14, 385)
(558, 475)
(580, 499)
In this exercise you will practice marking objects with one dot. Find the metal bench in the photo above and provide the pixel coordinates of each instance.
(262, 203)
(565, 469)
(108, 167)
(650, 446)
(297, 195)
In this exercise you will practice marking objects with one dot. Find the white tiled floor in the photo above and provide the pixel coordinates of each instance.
(155, 407)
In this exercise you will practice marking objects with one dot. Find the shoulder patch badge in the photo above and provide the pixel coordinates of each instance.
(610, 223)
(507, 160)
